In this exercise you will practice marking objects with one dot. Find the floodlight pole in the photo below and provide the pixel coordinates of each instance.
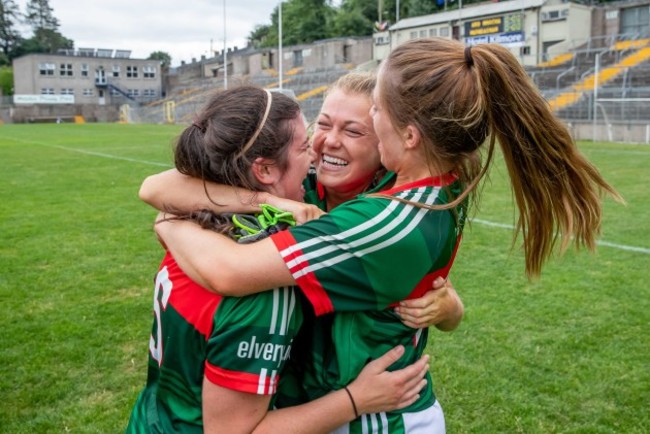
(280, 45)
(595, 111)
(225, 51)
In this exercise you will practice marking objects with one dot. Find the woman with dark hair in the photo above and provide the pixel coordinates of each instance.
(215, 362)
(437, 105)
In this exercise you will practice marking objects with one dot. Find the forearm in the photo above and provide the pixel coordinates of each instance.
(454, 315)
(171, 190)
(323, 415)
(220, 264)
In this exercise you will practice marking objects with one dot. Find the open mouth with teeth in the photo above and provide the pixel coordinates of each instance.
(330, 161)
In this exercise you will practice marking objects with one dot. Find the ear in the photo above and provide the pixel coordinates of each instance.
(266, 171)
(411, 137)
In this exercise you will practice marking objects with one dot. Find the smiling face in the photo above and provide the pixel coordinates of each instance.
(345, 144)
(299, 157)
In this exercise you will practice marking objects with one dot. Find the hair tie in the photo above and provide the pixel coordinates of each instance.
(468, 56)
(269, 99)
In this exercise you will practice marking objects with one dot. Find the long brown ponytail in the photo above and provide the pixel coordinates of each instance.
(461, 98)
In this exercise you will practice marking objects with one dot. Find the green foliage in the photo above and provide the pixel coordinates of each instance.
(40, 15)
(6, 80)
(303, 21)
(165, 58)
(9, 35)
(567, 353)
(44, 41)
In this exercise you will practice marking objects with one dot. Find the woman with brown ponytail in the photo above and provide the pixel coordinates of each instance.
(437, 105)
(461, 100)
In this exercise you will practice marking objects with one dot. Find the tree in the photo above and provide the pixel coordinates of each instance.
(355, 18)
(258, 35)
(39, 15)
(165, 58)
(43, 41)
(6, 80)
(303, 21)
(46, 38)
(9, 36)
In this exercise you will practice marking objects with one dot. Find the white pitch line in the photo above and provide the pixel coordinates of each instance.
(598, 242)
(96, 154)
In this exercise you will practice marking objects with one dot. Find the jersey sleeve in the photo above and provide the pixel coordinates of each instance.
(367, 254)
(251, 340)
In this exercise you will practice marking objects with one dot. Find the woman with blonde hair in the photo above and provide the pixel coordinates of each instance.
(437, 105)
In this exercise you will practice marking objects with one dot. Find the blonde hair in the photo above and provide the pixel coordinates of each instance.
(460, 98)
(361, 83)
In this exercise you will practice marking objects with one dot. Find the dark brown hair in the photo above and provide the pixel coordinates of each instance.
(460, 98)
(217, 146)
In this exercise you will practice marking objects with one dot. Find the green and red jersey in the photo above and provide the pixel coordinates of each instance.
(357, 262)
(237, 343)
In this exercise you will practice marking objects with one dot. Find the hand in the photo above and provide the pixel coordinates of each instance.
(161, 218)
(302, 212)
(441, 307)
(376, 389)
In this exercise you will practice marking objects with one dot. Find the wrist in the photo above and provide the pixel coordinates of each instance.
(353, 403)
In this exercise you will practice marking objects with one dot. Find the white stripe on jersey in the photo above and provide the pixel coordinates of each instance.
(272, 385)
(274, 315)
(348, 233)
(261, 383)
(292, 306)
(364, 240)
(418, 336)
(384, 422)
(394, 239)
(286, 302)
(285, 312)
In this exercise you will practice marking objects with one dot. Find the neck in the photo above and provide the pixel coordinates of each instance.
(419, 169)
(334, 197)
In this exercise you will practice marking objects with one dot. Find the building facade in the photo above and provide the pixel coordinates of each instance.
(534, 30)
(86, 76)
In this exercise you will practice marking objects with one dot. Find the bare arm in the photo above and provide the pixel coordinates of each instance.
(184, 193)
(220, 264)
(374, 390)
(440, 307)
(229, 411)
(173, 190)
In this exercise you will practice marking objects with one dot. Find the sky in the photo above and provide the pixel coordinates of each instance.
(184, 29)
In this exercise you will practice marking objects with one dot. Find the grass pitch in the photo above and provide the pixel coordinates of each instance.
(567, 353)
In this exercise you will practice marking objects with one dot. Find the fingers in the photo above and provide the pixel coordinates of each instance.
(413, 379)
(439, 283)
(415, 321)
(382, 363)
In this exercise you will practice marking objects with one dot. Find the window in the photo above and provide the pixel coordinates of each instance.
(46, 68)
(149, 72)
(67, 91)
(133, 93)
(423, 33)
(525, 50)
(115, 92)
(47, 91)
(89, 92)
(414, 35)
(65, 70)
(84, 70)
(444, 31)
(116, 71)
(132, 72)
(433, 32)
(150, 93)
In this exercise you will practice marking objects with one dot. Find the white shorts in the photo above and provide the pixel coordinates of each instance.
(428, 421)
